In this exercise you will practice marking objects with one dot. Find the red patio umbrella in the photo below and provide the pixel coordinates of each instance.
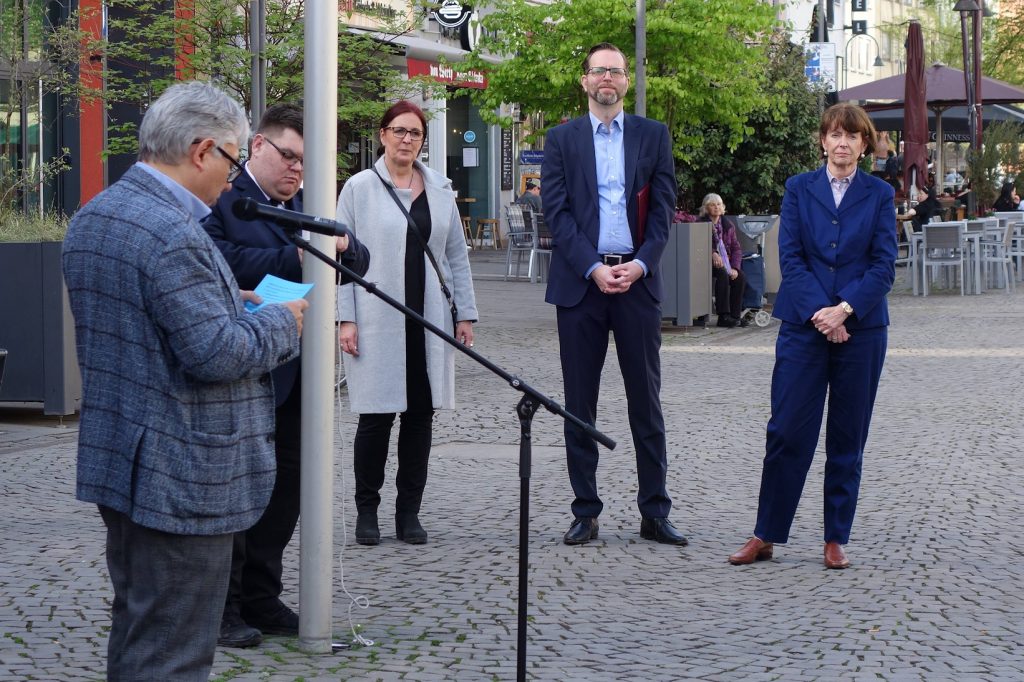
(915, 113)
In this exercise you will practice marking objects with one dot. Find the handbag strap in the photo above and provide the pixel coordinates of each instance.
(415, 229)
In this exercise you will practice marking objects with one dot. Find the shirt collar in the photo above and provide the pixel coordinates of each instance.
(595, 121)
(849, 177)
(257, 183)
(189, 201)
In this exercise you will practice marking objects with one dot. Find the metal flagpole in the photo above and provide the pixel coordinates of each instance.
(318, 333)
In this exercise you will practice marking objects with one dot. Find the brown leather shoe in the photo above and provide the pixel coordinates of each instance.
(835, 557)
(756, 549)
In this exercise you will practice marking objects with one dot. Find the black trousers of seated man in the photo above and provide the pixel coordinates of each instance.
(257, 558)
(728, 292)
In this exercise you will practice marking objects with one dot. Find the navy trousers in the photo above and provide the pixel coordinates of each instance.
(634, 318)
(168, 601)
(807, 367)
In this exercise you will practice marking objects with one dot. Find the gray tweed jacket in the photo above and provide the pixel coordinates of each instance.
(177, 417)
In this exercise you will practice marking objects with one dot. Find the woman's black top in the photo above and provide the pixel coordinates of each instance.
(417, 384)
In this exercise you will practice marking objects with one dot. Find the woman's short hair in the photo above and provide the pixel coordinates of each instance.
(710, 198)
(187, 112)
(403, 106)
(852, 119)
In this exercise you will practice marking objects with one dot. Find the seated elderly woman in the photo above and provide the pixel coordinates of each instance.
(726, 257)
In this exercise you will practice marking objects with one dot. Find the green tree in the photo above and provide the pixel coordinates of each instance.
(1000, 153)
(782, 142)
(40, 51)
(705, 60)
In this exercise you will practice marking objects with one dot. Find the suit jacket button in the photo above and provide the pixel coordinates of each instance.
(835, 222)
(831, 269)
(832, 244)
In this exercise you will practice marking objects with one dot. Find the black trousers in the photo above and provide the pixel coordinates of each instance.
(167, 594)
(257, 558)
(373, 435)
(728, 292)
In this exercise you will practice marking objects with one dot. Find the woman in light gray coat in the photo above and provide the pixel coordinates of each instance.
(392, 365)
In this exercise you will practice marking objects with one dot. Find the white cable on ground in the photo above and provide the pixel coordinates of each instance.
(353, 601)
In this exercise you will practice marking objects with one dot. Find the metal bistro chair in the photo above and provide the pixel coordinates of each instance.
(543, 240)
(943, 246)
(520, 241)
(997, 252)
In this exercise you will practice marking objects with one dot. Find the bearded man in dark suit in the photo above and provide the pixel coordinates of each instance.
(609, 193)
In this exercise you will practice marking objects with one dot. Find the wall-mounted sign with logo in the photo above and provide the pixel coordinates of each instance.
(469, 136)
(444, 73)
(451, 14)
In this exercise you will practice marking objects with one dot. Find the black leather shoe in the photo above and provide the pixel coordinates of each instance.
(661, 530)
(408, 529)
(236, 634)
(367, 532)
(727, 321)
(283, 621)
(582, 531)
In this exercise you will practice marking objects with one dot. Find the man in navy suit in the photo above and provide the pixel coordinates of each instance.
(254, 249)
(609, 193)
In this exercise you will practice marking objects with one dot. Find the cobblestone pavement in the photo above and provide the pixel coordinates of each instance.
(935, 590)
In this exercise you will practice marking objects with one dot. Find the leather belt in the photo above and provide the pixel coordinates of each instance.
(616, 258)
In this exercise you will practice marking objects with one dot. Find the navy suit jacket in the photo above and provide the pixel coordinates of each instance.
(571, 208)
(830, 254)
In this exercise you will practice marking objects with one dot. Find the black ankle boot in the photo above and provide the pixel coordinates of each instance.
(408, 529)
(367, 532)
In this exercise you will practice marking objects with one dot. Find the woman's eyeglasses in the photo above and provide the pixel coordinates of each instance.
(400, 133)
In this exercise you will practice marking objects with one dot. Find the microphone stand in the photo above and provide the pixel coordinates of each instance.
(532, 399)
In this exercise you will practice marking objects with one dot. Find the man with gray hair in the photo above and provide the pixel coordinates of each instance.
(176, 438)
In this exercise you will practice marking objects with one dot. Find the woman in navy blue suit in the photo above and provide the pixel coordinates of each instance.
(837, 246)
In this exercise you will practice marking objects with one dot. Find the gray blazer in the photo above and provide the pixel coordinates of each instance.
(376, 379)
(177, 415)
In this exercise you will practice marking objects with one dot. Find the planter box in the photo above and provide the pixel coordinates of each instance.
(37, 329)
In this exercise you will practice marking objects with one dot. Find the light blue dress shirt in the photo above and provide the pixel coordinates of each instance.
(190, 201)
(613, 230)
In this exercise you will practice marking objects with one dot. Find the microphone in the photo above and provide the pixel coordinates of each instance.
(250, 209)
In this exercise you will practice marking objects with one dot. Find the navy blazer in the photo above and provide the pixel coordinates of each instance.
(253, 249)
(830, 254)
(571, 209)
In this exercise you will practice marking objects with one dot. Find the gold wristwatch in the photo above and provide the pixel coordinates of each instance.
(847, 308)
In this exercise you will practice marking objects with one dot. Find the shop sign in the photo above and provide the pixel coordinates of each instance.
(452, 14)
(531, 157)
(446, 73)
(506, 159)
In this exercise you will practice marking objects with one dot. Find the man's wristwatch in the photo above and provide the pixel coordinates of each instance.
(847, 308)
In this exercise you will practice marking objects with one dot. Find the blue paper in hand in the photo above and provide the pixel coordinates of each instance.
(276, 290)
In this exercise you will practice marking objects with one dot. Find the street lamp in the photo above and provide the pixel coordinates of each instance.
(846, 54)
(972, 76)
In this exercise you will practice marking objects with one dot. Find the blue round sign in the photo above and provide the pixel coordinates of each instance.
(469, 136)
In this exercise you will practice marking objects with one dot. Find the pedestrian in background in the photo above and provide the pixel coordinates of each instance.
(726, 261)
(407, 211)
(837, 248)
(531, 197)
(175, 444)
(610, 192)
(254, 249)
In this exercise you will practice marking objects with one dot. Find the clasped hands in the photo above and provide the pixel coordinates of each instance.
(831, 322)
(718, 263)
(616, 279)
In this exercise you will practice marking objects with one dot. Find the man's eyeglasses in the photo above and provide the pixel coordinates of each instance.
(236, 167)
(290, 157)
(400, 133)
(600, 71)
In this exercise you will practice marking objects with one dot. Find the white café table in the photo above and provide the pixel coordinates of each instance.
(972, 241)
